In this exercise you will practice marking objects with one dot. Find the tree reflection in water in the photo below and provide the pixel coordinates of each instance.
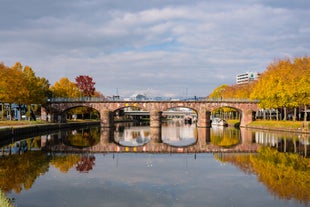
(85, 163)
(19, 172)
(225, 137)
(65, 162)
(286, 175)
(83, 137)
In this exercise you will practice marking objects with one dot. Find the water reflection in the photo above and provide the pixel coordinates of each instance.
(95, 164)
(19, 171)
(284, 142)
(131, 134)
(171, 137)
(225, 137)
(168, 138)
(81, 138)
(286, 175)
(178, 134)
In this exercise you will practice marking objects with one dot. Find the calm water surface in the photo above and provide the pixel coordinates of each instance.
(193, 168)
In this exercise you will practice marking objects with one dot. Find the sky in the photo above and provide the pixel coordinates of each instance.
(164, 48)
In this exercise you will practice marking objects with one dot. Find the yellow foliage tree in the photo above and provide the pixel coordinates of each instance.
(64, 88)
(284, 84)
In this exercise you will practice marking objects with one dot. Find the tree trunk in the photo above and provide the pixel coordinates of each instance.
(270, 115)
(295, 114)
(2, 112)
(305, 116)
(285, 113)
(10, 112)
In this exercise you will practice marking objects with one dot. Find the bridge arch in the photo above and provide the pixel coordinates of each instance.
(85, 110)
(227, 112)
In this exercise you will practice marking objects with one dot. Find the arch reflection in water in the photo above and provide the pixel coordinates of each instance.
(131, 135)
(178, 134)
(225, 137)
(82, 138)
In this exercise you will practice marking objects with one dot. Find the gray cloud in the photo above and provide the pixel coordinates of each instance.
(161, 47)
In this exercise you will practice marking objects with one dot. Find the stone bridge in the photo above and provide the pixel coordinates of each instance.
(55, 110)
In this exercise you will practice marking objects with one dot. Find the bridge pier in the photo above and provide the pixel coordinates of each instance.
(106, 136)
(106, 119)
(204, 118)
(247, 117)
(155, 118)
(57, 118)
(155, 134)
(44, 115)
(204, 136)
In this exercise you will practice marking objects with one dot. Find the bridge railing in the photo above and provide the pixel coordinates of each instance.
(231, 100)
(80, 99)
(103, 99)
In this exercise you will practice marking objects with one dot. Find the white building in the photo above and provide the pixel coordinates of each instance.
(247, 77)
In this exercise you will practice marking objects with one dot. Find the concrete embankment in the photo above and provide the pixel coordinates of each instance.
(26, 131)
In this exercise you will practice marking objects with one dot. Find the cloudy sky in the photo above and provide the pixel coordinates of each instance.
(158, 47)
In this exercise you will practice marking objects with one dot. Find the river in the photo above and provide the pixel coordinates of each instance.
(175, 165)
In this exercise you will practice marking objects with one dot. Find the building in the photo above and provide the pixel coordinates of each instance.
(247, 77)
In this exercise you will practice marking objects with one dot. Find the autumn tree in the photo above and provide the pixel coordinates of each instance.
(37, 87)
(4, 85)
(86, 84)
(300, 86)
(237, 91)
(64, 88)
(285, 84)
(17, 90)
(21, 86)
(217, 93)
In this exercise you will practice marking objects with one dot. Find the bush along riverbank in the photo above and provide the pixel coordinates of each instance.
(289, 126)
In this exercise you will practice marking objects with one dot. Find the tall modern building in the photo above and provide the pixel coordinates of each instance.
(247, 77)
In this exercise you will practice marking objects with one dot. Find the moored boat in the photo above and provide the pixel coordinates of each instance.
(219, 122)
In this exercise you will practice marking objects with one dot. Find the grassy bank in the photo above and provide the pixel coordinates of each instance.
(233, 122)
(18, 123)
(271, 124)
(24, 123)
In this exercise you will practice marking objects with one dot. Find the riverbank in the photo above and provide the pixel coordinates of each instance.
(25, 129)
(287, 126)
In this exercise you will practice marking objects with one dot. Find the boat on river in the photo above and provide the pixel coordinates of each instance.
(219, 122)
